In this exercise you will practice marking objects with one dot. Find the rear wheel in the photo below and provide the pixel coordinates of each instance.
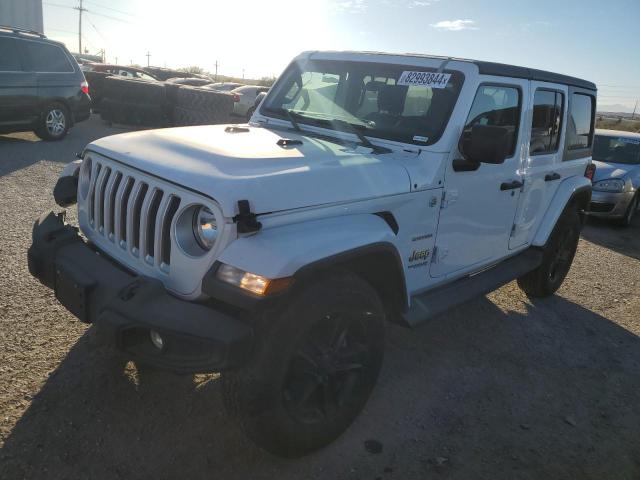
(557, 257)
(314, 367)
(54, 122)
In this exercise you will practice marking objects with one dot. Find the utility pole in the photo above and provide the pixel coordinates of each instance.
(243, 73)
(633, 115)
(80, 10)
(148, 55)
(216, 77)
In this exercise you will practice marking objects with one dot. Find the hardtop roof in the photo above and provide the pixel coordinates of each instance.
(494, 68)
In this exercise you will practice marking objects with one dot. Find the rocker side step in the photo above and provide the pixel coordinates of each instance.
(433, 302)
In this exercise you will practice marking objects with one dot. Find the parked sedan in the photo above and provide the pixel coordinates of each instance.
(224, 86)
(244, 99)
(616, 182)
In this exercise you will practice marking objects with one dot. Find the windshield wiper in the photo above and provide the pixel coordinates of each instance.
(292, 119)
(355, 129)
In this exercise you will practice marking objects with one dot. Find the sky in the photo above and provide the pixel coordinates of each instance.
(592, 39)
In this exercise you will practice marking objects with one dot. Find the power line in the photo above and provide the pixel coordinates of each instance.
(109, 17)
(96, 29)
(109, 8)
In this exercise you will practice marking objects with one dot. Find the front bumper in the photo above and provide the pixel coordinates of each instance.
(128, 307)
(609, 204)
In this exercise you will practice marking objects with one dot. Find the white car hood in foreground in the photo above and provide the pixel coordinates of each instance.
(251, 165)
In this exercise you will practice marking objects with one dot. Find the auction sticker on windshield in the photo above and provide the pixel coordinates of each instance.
(424, 79)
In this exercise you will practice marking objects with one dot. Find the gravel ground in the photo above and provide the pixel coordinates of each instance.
(499, 388)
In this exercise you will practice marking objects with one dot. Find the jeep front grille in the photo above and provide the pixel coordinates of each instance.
(133, 212)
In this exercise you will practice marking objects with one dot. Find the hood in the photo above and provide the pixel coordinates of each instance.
(606, 170)
(251, 165)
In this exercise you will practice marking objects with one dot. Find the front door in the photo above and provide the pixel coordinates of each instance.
(479, 205)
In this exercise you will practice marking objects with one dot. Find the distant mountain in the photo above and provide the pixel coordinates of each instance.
(615, 108)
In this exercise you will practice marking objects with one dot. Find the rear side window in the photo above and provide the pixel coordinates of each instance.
(580, 125)
(9, 59)
(44, 57)
(498, 106)
(547, 122)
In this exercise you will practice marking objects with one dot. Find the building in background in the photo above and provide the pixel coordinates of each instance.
(25, 14)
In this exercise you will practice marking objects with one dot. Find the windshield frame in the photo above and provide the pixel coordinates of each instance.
(270, 108)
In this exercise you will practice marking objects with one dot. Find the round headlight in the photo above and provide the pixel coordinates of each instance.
(205, 228)
(85, 177)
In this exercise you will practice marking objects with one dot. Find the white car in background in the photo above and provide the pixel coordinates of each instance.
(244, 99)
(224, 86)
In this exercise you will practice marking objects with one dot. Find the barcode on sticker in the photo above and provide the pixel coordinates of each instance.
(424, 79)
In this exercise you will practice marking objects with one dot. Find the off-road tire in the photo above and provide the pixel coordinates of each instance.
(261, 394)
(53, 113)
(631, 212)
(557, 257)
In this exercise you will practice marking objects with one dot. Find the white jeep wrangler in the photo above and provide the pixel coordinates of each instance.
(366, 188)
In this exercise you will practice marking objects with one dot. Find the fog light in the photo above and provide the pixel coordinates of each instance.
(156, 339)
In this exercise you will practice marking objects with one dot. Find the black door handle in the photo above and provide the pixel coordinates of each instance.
(550, 177)
(512, 185)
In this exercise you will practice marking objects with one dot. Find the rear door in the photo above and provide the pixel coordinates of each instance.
(56, 76)
(18, 88)
(541, 171)
(479, 206)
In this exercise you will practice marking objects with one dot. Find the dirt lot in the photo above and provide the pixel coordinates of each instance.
(500, 388)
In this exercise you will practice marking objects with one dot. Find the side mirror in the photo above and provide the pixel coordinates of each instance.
(485, 144)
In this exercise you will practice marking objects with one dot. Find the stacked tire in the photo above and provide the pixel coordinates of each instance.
(201, 106)
(135, 102)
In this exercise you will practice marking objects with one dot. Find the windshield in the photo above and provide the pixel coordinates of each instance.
(396, 102)
(617, 150)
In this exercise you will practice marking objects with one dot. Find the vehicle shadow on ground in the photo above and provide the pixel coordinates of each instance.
(20, 150)
(549, 391)
(624, 240)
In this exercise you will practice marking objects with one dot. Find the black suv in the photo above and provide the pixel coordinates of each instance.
(41, 85)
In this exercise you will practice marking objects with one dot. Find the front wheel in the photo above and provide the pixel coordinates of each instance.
(54, 122)
(556, 259)
(314, 367)
(631, 211)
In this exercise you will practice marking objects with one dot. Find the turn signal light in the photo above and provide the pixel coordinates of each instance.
(256, 284)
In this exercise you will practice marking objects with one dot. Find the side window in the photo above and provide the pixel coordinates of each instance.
(9, 60)
(580, 123)
(547, 122)
(498, 106)
(44, 57)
